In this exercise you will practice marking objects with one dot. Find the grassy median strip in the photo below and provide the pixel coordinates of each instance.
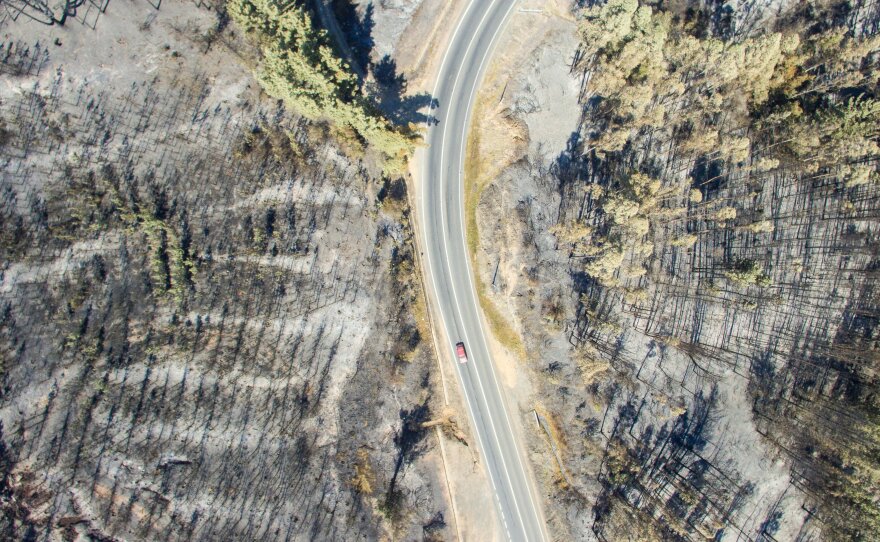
(476, 179)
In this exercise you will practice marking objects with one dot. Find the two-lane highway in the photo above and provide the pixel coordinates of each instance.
(441, 211)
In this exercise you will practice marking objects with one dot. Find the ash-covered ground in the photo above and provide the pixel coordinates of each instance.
(210, 318)
(681, 406)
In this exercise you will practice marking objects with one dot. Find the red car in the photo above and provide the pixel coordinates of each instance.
(460, 352)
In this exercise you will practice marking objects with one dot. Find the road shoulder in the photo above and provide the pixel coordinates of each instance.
(471, 500)
(497, 139)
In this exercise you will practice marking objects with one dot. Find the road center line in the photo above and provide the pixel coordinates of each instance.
(428, 257)
(485, 56)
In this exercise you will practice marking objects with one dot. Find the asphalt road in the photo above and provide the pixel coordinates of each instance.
(441, 210)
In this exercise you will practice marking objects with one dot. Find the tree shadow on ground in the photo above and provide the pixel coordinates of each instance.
(569, 162)
(57, 13)
(383, 85)
(358, 30)
(388, 92)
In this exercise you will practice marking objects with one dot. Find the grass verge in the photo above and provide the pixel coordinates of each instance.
(476, 179)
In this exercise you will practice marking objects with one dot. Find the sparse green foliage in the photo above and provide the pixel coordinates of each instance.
(650, 73)
(685, 241)
(732, 121)
(572, 232)
(628, 209)
(724, 214)
(748, 272)
(762, 226)
(603, 267)
(300, 68)
(842, 134)
(621, 467)
(169, 268)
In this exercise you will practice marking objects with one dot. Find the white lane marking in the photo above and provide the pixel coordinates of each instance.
(449, 49)
(460, 192)
(433, 280)
(449, 268)
(470, 272)
(428, 257)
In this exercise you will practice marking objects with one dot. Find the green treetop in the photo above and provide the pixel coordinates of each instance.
(301, 68)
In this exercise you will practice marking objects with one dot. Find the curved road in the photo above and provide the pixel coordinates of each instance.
(449, 275)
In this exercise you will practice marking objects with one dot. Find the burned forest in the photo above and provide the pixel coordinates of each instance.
(211, 326)
(694, 273)
(212, 317)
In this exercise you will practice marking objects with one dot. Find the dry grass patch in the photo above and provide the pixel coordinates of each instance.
(364, 479)
(550, 425)
(479, 173)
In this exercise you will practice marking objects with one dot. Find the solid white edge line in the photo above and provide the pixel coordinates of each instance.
(430, 266)
(470, 274)
(501, 454)
(467, 262)
(459, 370)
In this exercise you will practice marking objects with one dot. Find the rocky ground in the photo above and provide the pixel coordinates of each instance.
(202, 333)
